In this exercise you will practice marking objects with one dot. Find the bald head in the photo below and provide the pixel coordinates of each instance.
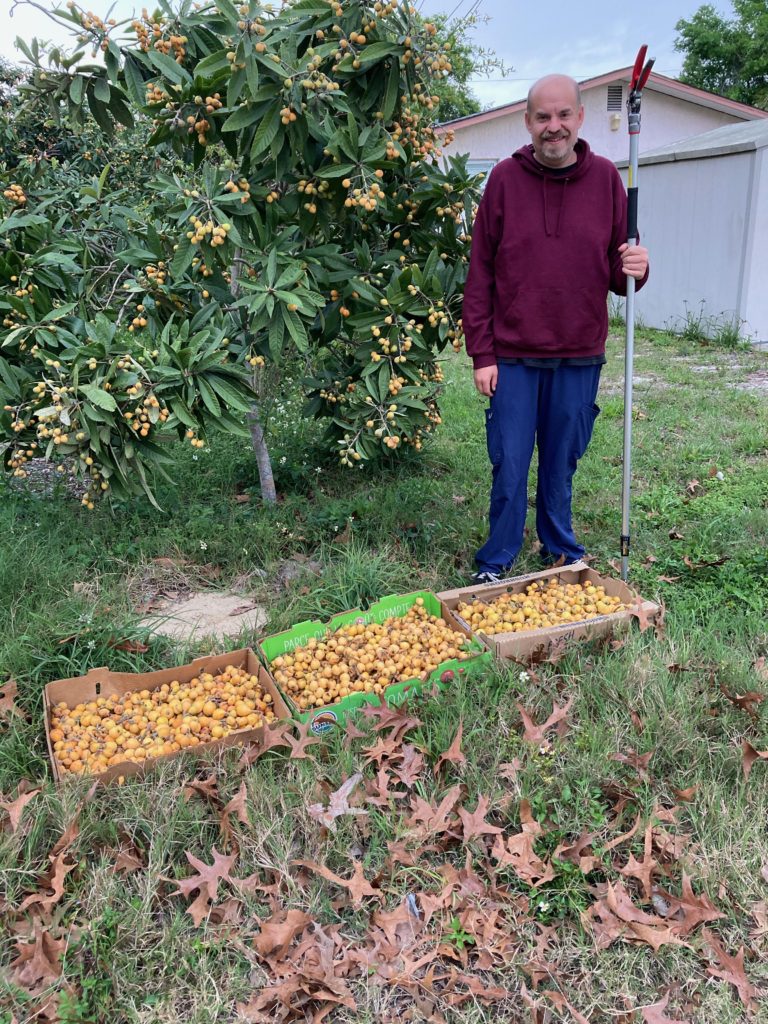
(554, 86)
(553, 117)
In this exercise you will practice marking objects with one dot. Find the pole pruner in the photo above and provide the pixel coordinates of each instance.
(640, 74)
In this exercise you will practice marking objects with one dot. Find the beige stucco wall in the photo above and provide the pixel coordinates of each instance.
(665, 119)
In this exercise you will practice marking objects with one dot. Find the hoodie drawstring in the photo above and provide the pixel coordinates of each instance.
(560, 213)
(544, 180)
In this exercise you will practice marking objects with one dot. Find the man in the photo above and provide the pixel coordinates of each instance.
(548, 245)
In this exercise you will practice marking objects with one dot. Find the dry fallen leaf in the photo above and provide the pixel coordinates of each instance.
(535, 733)
(338, 804)
(52, 880)
(453, 754)
(749, 756)
(637, 761)
(643, 870)
(306, 739)
(749, 701)
(206, 881)
(731, 969)
(655, 1014)
(410, 766)
(279, 931)
(474, 823)
(426, 818)
(15, 808)
(238, 806)
(131, 646)
(356, 884)
(686, 795)
(39, 958)
(8, 692)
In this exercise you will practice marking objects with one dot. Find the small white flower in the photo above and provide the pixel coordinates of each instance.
(203, 546)
(207, 451)
(523, 677)
(194, 458)
(91, 644)
(283, 460)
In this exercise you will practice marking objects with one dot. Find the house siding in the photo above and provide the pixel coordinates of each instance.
(665, 119)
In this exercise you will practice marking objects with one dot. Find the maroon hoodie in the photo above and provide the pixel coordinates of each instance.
(544, 257)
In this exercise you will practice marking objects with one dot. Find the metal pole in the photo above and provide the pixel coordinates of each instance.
(640, 76)
(629, 352)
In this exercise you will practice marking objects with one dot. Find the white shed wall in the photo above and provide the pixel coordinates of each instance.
(693, 216)
(754, 307)
(665, 119)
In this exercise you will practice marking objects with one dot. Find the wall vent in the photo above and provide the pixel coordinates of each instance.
(615, 97)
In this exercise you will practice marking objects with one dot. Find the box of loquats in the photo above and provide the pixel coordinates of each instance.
(400, 645)
(111, 725)
(532, 615)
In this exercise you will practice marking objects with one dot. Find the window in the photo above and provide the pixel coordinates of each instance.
(481, 167)
(615, 97)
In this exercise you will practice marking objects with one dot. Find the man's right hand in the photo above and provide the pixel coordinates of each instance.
(485, 380)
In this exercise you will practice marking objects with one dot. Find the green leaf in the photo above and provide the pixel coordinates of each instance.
(77, 90)
(167, 66)
(376, 51)
(228, 394)
(134, 81)
(335, 171)
(98, 397)
(182, 413)
(211, 64)
(276, 334)
(232, 425)
(296, 329)
(266, 132)
(241, 118)
(101, 90)
(208, 396)
(354, 136)
(393, 91)
(182, 258)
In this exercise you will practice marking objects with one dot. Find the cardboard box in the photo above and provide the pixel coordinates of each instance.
(396, 606)
(531, 643)
(101, 682)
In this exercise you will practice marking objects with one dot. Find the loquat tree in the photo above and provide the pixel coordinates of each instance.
(300, 209)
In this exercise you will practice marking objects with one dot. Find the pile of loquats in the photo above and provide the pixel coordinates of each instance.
(91, 737)
(541, 605)
(366, 658)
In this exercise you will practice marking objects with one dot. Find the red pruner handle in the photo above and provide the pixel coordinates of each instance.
(638, 66)
(645, 74)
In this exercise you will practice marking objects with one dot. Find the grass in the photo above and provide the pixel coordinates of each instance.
(71, 582)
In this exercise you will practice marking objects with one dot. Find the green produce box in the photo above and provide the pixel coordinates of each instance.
(396, 606)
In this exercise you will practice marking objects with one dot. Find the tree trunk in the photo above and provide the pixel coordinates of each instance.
(263, 460)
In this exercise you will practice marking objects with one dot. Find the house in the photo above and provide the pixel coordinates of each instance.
(703, 213)
(671, 111)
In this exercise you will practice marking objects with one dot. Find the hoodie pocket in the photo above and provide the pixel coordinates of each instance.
(493, 437)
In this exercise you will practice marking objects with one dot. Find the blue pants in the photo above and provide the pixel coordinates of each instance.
(556, 408)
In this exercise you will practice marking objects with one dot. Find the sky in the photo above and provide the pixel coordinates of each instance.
(582, 39)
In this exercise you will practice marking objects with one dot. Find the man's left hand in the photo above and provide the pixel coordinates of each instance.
(634, 260)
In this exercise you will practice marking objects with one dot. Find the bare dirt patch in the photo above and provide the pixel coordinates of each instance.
(756, 382)
(206, 613)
